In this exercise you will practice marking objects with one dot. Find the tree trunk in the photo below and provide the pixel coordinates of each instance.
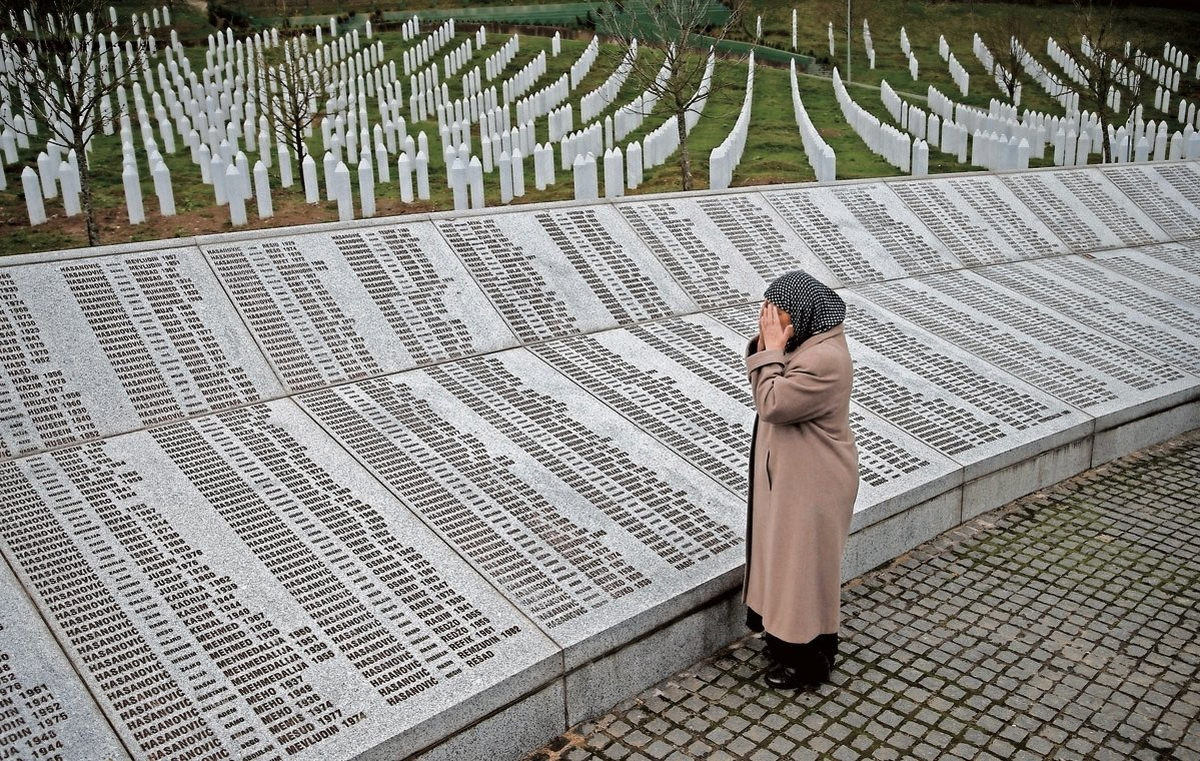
(85, 192)
(1104, 139)
(299, 146)
(685, 159)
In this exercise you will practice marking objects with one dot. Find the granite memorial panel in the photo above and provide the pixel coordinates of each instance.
(861, 232)
(1185, 179)
(101, 345)
(582, 520)
(1059, 355)
(1084, 209)
(333, 306)
(564, 271)
(1182, 256)
(1170, 267)
(978, 218)
(1142, 317)
(960, 405)
(722, 249)
(1161, 198)
(45, 711)
(237, 586)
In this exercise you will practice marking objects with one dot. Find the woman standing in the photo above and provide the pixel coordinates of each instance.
(803, 478)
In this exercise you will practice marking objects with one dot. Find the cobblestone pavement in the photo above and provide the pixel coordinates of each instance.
(1063, 625)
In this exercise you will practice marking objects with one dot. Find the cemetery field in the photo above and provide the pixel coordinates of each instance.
(773, 152)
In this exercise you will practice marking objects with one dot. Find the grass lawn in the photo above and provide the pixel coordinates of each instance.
(773, 152)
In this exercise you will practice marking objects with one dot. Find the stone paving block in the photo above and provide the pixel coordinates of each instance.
(1059, 625)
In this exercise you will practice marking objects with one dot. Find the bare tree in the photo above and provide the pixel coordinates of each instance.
(1102, 66)
(64, 60)
(293, 87)
(683, 30)
(1007, 31)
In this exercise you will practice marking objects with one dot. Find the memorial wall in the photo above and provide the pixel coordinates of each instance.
(445, 485)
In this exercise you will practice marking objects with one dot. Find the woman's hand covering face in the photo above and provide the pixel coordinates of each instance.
(773, 333)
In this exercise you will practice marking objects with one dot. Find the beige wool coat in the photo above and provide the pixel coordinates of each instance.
(803, 482)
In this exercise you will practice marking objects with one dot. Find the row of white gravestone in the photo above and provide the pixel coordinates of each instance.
(661, 142)
(560, 122)
(1187, 114)
(993, 151)
(873, 132)
(982, 53)
(423, 52)
(1046, 79)
(585, 174)
(1178, 58)
(456, 59)
(241, 170)
(497, 62)
(906, 48)
(820, 156)
(410, 28)
(867, 42)
(594, 102)
(518, 84)
(1163, 73)
(590, 139)
(724, 158)
(550, 96)
(1162, 99)
(630, 116)
(958, 73)
(583, 64)
(544, 100)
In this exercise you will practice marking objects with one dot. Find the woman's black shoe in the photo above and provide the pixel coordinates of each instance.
(787, 678)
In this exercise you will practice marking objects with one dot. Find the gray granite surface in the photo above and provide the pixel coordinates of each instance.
(431, 478)
(979, 219)
(862, 232)
(335, 306)
(46, 711)
(1084, 209)
(103, 345)
(238, 582)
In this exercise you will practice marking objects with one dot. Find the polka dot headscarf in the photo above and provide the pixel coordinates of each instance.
(812, 305)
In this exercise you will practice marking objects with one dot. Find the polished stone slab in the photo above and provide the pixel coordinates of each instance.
(1160, 191)
(681, 380)
(237, 583)
(45, 711)
(963, 407)
(594, 529)
(1084, 209)
(1071, 360)
(1171, 268)
(101, 345)
(334, 306)
(978, 218)
(564, 271)
(1183, 256)
(1140, 316)
(723, 249)
(862, 232)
